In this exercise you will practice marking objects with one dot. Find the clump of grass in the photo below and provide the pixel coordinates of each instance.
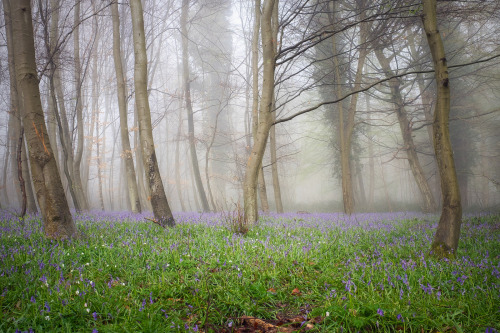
(235, 220)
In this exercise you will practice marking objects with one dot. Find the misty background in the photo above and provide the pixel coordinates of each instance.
(219, 34)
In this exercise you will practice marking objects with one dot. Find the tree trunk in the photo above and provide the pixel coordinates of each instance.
(127, 156)
(189, 107)
(23, 172)
(371, 160)
(177, 165)
(407, 134)
(265, 118)
(159, 202)
(274, 165)
(82, 196)
(57, 219)
(445, 242)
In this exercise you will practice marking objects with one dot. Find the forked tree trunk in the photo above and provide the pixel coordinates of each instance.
(133, 192)
(189, 107)
(57, 220)
(445, 242)
(255, 100)
(265, 118)
(407, 134)
(161, 209)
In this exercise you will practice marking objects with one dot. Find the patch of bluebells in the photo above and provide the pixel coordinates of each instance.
(370, 252)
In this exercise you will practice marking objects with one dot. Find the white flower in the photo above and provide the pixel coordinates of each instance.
(87, 264)
(77, 292)
(85, 305)
(47, 318)
(88, 310)
(62, 265)
(328, 314)
(123, 283)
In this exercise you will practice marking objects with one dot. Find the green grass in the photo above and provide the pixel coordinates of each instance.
(133, 276)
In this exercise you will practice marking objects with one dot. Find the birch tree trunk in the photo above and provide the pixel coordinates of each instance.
(159, 202)
(57, 220)
(447, 235)
(133, 192)
(265, 118)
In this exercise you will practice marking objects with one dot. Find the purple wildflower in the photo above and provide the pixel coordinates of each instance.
(380, 312)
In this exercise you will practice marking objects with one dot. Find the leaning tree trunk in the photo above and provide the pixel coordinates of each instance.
(57, 220)
(133, 191)
(445, 242)
(407, 134)
(161, 209)
(189, 107)
(265, 118)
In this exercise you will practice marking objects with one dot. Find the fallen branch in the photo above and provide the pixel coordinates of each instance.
(154, 221)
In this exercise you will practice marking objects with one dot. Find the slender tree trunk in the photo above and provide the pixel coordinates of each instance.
(189, 106)
(20, 173)
(159, 202)
(127, 156)
(30, 196)
(407, 134)
(57, 219)
(272, 134)
(6, 166)
(371, 160)
(265, 117)
(274, 165)
(447, 235)
(177, 165)
(82, 196)
(255, 100)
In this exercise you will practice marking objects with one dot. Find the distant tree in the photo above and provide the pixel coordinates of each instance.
(57, 220)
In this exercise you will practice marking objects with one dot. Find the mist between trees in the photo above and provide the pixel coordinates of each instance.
(184, 105)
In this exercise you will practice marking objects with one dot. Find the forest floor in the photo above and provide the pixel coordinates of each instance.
(290, 273)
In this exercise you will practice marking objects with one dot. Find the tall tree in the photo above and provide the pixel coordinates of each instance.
(133, 192)
(161, 208)
(445, 241)
(84, 204)
(265, 117)
(23, 172)
(189, 107)
(407, 134)
(57, 220)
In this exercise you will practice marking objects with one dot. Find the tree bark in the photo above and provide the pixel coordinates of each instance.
(23, 172)
(189, 107)
(82, 196)
(265, 118)
(161, 208)
(133, 191)
(407, 134)
(57, 220)
(447, 235)
(274, 164)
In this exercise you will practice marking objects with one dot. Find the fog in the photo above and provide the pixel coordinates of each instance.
(319, 51)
